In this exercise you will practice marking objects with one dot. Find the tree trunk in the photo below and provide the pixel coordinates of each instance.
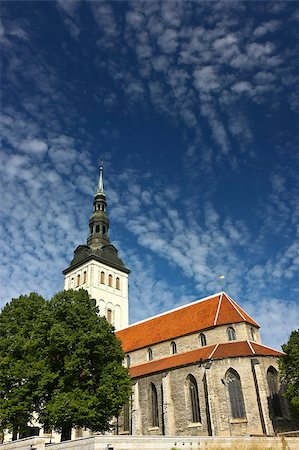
(66, 433)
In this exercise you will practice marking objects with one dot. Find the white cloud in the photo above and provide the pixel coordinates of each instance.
(34, 146)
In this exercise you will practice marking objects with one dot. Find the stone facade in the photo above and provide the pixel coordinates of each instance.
(174, 402)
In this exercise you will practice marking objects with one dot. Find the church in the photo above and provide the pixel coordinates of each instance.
(197, 370)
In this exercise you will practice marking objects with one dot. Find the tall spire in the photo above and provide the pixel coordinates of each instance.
(99, 221)
(101, 185)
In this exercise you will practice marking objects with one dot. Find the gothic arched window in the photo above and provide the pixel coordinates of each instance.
(202, 339)
(155, 410)
(173, 348)
(194, 400)
(235, 393)
(110, 279)
(127, 416)
(231, 334)
(149, 354)
(102, 278)
(272, 378)
(117, 283)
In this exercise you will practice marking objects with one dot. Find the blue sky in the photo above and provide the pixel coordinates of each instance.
(193, 107)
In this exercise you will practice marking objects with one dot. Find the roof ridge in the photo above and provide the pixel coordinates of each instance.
(251, 348)
(266, 346)
(218, 309)
(172, 310)
(237, 309)
(214, 350)
(238, 306)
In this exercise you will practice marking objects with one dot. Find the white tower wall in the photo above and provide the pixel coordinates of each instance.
(108, 298)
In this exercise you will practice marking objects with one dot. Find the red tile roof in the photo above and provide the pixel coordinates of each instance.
(218, 309)
(217, 351)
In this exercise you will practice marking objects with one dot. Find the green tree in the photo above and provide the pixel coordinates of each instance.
(19, 362)
(289, 367)
(81, 382)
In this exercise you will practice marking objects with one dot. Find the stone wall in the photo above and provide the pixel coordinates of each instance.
(191, 342)
(159, 443)
(174, 400)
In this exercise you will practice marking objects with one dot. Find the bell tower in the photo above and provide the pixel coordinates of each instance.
(97, 267)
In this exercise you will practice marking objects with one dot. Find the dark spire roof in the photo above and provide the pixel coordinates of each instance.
(99, 221)
(98, 243)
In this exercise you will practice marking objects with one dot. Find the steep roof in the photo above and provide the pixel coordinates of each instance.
(218, 309)
(217, 351)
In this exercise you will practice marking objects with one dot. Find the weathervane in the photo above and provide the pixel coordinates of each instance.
(221, 278)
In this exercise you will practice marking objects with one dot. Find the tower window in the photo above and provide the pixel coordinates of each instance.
(99, 207)
(202, 340)
(110, 279)
(91, 229)
(117, 283)
(97, 228)
(128, 360)
(231, 334)
(194, 400)
(109, 315)
(173, 348)
(102, 278)
(104, 229)
(149, 354)
(78, 280)
(252, 332)
(84, 276)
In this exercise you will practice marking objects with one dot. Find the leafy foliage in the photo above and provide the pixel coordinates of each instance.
(289, 367)
(72, 364)
(20, 365)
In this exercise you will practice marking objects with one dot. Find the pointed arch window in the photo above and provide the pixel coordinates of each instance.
(273, 383)
(78, 280)
(173, 348)
(84, 276)
(235, 393)
(117, 283)
(202, 340)
(155, 410)
(102, 278)
(109, 315)
(149, 354)
(127, 416)
(231, 334)
(194, 400)
(110, 280)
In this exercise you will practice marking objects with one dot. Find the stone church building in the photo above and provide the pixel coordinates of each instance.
(200, 369)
